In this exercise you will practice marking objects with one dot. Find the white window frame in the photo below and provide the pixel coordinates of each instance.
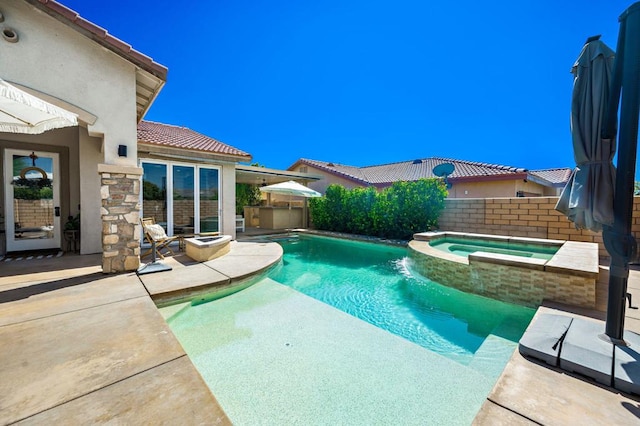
(196, 196)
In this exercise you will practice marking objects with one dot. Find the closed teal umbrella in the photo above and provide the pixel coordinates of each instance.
(587, 199)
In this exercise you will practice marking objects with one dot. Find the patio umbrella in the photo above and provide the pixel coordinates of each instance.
(290, 188)
(587, 199)
(21, 112)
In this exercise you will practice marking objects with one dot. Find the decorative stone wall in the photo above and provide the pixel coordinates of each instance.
(120, 193)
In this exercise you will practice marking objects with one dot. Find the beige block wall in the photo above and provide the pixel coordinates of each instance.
(183, 211)
(33, 213)
(533, 217)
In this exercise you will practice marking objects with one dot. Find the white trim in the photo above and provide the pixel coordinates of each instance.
(196, 196)
(37, 243)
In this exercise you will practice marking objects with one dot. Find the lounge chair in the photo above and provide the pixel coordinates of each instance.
(155, 232)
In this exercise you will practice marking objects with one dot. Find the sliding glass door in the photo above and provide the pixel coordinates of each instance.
(209, 200)
(183, 198)
(154, 193)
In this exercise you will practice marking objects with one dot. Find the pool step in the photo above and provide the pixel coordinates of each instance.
(485, 358)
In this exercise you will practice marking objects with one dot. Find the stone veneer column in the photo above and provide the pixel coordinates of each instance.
(120, 193)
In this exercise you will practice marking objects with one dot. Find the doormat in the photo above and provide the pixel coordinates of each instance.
(30, 255)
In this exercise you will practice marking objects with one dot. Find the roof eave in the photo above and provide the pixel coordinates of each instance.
(164, 150)
(539, 180)
(90, 30)
(142, 108)
(489, 178)
(333, 172)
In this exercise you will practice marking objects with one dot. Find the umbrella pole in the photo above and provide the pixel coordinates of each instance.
(619, 241)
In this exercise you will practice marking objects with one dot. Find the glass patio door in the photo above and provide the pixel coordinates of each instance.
(209, 199)
(183, 198)
(32, 200)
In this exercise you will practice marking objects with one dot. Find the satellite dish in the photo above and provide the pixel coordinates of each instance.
(444, 170)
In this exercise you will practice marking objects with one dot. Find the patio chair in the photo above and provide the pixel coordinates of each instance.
(155, 232)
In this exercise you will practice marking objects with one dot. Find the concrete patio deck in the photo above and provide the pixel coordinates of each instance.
(529, 392)
(83, 347)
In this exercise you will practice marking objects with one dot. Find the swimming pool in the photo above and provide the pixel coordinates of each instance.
(345, 332)
(376, 283)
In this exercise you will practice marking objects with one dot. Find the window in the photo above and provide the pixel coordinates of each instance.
(209, 200)
(183, 198)
(154, 192)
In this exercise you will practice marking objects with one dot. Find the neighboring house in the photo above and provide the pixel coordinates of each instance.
(468, 180)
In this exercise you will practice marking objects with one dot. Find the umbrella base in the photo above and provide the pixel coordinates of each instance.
(576, 345)
(152, 267)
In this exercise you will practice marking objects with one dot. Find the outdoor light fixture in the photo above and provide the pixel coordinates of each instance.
(122, 150)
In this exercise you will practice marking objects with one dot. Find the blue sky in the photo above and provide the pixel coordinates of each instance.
(368, 82)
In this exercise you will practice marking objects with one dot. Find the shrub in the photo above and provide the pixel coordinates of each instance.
(396, 212)
(246, 195)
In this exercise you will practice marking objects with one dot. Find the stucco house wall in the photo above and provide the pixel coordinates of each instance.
(54, 59)
(498, 188)
(327, 179)
(70, 62)
(228, 200)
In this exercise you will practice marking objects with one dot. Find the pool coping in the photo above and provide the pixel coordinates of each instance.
(563, 262)
(190, 280)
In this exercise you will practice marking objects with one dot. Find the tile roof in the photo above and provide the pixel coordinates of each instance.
(557, 177)
(349, 172)
(101, 36)
(414, 170)
(153, 133)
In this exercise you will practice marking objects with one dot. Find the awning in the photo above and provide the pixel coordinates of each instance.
(21, 112)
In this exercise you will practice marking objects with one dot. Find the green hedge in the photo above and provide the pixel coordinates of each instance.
(396, 212)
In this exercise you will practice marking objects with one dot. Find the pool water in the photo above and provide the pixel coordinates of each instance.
(464, 247)
(344, 332)
(375, 283)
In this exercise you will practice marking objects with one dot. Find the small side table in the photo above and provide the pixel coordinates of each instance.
(72, 238)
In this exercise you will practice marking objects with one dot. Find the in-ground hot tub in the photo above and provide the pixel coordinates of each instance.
(512, 269)
(202, 249)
